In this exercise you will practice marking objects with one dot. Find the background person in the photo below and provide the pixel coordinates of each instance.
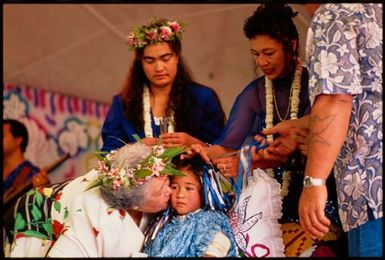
(344, 52)
(18, 173)
(160, 88)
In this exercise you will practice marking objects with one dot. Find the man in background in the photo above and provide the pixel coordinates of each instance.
(19, 174)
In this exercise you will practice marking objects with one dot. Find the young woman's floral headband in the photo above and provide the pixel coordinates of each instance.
(158, 30)
(133, 164)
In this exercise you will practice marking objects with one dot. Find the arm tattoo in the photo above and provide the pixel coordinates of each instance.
(325, 123)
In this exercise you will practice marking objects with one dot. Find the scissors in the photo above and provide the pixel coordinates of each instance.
(257, 144)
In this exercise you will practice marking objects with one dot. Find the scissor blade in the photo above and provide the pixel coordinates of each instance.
(226, 154)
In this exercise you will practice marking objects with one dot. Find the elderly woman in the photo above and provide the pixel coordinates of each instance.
(99, 214)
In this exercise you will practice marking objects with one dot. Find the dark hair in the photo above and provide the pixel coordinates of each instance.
(274, 20)
(18, 130)
(194, 164)
(179, 102)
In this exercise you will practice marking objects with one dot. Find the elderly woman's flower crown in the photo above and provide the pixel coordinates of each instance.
(132, 164)
(158, 30)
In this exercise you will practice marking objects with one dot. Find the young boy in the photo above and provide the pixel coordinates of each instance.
(194, 229)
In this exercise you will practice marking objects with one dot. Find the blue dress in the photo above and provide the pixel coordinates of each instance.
(207, 115)
(190, 235)
(247, 118)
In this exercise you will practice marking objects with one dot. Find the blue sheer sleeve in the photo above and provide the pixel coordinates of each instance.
(246, 117)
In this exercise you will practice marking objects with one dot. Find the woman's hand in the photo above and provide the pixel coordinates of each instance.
(272, 156)
(196, 149)
(150, 141)
(301, 137)
(179, 139)
(228, 166)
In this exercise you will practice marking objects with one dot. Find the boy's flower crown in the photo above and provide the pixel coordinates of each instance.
(133, 164)
(158, 30)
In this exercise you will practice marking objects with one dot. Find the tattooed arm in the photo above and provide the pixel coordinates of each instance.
(328, 125)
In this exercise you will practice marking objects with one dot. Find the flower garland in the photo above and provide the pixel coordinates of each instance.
(147, 114)
(158, 30)
(294, 105)
(134, 163)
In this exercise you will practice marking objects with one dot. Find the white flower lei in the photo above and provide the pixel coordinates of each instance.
(147, 114)
(294, 104)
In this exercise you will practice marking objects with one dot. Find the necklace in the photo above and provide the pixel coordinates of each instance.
(147, 115)
(293, 104)
(276, 106)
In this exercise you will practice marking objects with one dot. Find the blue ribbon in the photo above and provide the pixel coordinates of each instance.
(258, 146)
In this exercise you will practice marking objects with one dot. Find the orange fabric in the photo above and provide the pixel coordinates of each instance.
(296, 240)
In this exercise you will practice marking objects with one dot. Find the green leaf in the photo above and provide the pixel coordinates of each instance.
(66, 212)
(226, 186)
(39, 198)
(172, 171)
(117, 138)
(32, 192)
(99, 156)
(48, 227)
(36, 214)
(101, 152)
(57, 206)
(137, 138)
(94, 184)
(172, 152)
(143, 173)
(19, 221)
(33, 233)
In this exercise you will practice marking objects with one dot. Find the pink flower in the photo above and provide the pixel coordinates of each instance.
(151, 35)
(102, 167)
(174, 26)
(112, 172)
(165, 32)
(130, 39)
(158, 166)
(116, 183)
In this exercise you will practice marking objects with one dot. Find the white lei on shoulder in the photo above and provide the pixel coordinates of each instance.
(294, 104)
(147, 114)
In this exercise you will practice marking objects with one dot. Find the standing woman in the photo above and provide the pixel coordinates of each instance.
(160, 91)
(281, 94)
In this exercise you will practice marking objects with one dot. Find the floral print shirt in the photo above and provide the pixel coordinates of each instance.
(344, 53)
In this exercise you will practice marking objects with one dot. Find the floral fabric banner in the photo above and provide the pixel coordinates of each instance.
(58, 125)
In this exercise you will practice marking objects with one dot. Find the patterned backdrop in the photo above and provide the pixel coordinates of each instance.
(57, 125)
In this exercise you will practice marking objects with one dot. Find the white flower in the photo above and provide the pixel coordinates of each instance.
(373, 35)
(352, 189)
(358, 8)
(14, 107)
(319, 32)
(369, 130)
(342, 50)
(324, 17)
(327, 64)
(377, 112)
(294, 104)
(147, 114)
